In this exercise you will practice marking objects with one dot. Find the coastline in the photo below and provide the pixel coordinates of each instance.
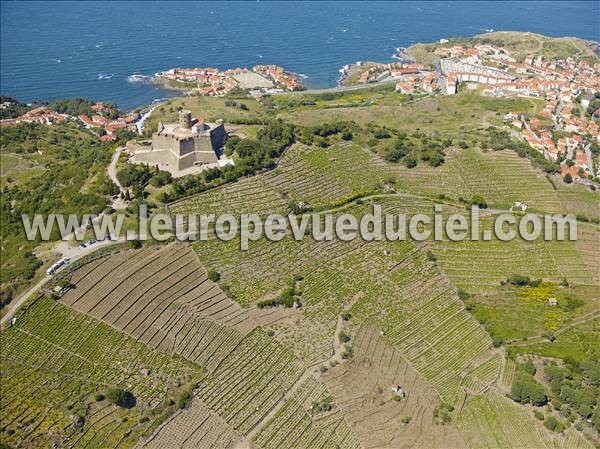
(405, 55)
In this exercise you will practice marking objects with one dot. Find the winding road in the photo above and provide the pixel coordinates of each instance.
(66, 249)
(118, 202)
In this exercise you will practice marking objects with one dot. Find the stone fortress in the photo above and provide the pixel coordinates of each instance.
(183, 147)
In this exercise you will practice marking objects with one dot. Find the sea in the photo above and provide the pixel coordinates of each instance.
(105, 50)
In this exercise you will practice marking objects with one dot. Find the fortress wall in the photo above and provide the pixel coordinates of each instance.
(186, 146)
(163, 142)
(157, 157)
(187, 161)
(206, 157)
(218, 136)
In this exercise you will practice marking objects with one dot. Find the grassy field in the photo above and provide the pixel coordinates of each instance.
(578, 342)
(17, 168)
(578, 199)
(209, 108)
(452, 114)
(518, 314)
(375, 96)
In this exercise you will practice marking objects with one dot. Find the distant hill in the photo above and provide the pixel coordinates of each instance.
(519, 43)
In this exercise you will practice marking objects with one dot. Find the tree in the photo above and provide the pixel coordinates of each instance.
(529, 367)
(122, 398)
(526, 389)
(161, 178)
(73, 106)
(183, 399)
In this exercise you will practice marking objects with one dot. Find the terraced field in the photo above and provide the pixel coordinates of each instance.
(297, 425)
(578, 199)
(479, 266)
(195, 427)
(152, 321)
(501, 177)
(248, 195)
(391, 280)
(298, 180)
(588, 244)
(363, 390)
(250, 381)
(56, 361)
(167, 292)
(168, 303)
(481, 377)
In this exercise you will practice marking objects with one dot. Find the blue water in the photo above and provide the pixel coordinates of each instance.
(65, 49)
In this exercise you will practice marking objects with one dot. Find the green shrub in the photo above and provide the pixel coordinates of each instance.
(344, 337)
(213, 275)
(554, 424)
(348, 352)
(520, 280)
(569, 304)
(463, 295)
(183, 399)
(497, 341)
(322, 406)
(478, 200)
